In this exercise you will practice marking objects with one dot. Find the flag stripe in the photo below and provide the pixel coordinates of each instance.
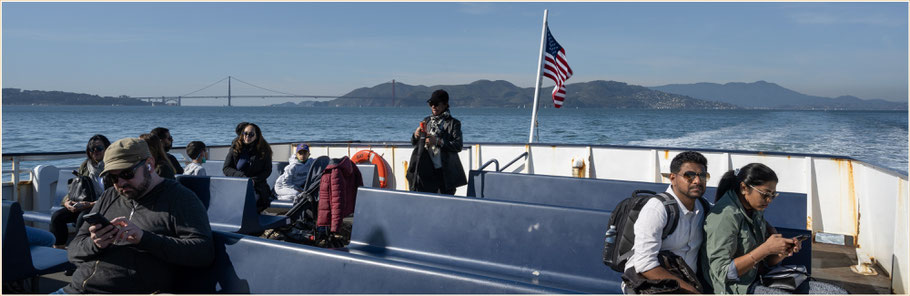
(556, 68)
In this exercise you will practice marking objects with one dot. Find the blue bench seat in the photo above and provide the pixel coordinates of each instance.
(543, 245)
(52, 185)
(231, 204)
(252, 265)
(787, 213)
(20, 260)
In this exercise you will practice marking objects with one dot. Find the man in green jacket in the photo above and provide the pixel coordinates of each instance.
(157, 226)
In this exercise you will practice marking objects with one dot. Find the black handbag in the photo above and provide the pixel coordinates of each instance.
(785, 277)
(81, 188)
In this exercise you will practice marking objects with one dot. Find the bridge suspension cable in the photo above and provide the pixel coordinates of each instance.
(263, 88)
(204, 88)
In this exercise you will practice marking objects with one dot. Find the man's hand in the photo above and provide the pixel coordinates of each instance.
(130, 234)
(687, 287)
(417, 132)
(662, 273)
(103, 236)
(431, 140)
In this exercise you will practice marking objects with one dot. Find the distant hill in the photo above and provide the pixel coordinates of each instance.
(500, 93)
(15, 96)
(762, 94)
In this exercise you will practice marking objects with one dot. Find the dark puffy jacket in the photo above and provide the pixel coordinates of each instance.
(338, 193)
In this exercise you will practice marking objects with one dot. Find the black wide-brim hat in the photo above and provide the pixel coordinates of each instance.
(439, 96)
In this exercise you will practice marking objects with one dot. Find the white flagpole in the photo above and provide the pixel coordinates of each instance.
(543, 36)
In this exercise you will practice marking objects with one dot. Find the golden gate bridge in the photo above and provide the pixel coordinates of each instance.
(178, 100)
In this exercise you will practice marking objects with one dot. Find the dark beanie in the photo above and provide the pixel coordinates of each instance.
(439, 96)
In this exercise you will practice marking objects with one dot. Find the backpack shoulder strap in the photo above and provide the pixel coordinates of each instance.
(672, 208)
(706, 207)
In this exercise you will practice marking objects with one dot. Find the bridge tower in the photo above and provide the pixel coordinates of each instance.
(229, 91)
(393, 92)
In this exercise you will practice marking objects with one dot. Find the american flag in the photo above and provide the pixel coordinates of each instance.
(556, 68)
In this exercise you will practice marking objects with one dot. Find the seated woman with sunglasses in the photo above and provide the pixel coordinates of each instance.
(739, 242)
(72, 211)
(251, 157)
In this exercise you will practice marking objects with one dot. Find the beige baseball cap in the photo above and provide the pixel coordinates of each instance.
(125, 153)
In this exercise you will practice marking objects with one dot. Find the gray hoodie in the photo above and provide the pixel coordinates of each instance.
(294, 175)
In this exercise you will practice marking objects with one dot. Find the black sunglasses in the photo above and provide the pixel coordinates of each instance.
(250, 134)
(690, 175)
(127, 174)
(97, 149)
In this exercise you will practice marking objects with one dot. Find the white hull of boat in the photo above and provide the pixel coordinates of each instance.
(866, 204)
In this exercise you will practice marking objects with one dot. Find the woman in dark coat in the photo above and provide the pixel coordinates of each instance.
(251, 157)
(437, 168)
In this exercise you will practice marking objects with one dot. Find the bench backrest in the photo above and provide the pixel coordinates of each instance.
(17, 259)
(215, 168)
(552, 246)
(50, 185)
(230, 201)
(246, 264)
(787, 212)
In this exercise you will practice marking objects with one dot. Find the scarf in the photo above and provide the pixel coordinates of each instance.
(434, 128)
(94, 172)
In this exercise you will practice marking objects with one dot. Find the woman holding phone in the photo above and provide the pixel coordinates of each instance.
(738, 240)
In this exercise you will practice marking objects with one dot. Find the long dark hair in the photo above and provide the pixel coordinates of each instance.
(88, 146)
(260, 147)
(751, 174)
(157, 150)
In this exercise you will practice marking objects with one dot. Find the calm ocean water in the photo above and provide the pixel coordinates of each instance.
(877, 137)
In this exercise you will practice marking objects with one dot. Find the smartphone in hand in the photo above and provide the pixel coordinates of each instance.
(802, 237)
(96, 219)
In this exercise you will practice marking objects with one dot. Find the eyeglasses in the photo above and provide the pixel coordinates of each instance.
(97, 149)
(249, 134)
(690, 175)
(767, 195)
(127, 174)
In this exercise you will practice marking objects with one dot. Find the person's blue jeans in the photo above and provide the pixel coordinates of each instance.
(38, 237)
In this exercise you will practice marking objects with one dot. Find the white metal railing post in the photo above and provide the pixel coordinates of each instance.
(15, 178)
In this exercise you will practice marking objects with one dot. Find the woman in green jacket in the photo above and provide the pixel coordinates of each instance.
(738, 240)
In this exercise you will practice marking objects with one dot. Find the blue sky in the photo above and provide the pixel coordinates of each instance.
(169, 49)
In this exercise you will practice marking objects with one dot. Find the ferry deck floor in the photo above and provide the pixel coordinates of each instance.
(830, 263)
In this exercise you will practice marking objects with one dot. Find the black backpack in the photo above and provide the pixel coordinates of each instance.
(623, 218)
(81, 188)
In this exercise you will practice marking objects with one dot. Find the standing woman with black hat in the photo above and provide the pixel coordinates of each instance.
(436, 167)
(251, 157)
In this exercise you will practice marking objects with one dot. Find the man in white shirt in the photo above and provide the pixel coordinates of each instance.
(688, 175)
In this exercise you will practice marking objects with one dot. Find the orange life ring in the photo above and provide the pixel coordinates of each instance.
(368, 156)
